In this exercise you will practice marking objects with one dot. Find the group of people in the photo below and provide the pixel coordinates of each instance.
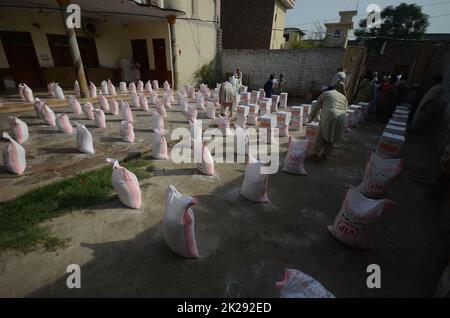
(229, 88)
(383, 93)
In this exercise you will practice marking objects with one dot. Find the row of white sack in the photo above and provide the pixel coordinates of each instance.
(179, 231)
(107, 88)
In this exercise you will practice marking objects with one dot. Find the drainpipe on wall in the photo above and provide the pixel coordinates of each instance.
(74, 50)
(173, 40)
(219, 66)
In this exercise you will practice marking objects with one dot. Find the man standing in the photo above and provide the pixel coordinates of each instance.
(268, 87)
(226, 93)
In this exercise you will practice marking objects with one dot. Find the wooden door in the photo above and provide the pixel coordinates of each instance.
(140, 54)
(22, 59)
(159, 52)
(354, 59)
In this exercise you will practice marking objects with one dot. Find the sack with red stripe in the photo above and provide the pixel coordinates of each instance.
(74, 105)
(379, 175)
(295, 158)
(207, 165)
(127, 131)
(99, 116)
(63, 124)
(354, 222)
(255, 183)
(160, 150)
(85, 142)
(14, 156)
(297, 284)
(48, 116)
(143, 103)
(126, 185)
(88, 110)
(179, 224)
(18, 129)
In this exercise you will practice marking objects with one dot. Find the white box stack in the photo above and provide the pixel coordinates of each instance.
(283, 100)
(253, 114)
(283, 121)
(275, 102)
(297, 118)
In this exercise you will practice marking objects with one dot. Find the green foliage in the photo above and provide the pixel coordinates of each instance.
(303, 44)
(20, 219)
(405, 21)
(207, 74)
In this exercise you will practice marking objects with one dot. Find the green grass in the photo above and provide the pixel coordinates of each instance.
(20, 218)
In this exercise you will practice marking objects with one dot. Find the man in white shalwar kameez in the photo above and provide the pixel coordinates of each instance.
(332, 106)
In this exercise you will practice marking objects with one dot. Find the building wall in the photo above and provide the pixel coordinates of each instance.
(279, 22)
(247, 24)
(195, 38)
(332, 41)
(113, 42)
(304, 70)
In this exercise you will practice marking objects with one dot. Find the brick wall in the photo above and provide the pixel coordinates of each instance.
(247, 24)
(304, 70)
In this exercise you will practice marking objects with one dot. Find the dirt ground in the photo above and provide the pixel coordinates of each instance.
(244, 246)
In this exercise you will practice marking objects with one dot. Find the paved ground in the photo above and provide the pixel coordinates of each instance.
(244, 246)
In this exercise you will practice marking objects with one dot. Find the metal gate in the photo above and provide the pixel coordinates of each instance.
(353, 64)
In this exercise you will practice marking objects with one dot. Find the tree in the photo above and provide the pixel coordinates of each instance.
(405, 21)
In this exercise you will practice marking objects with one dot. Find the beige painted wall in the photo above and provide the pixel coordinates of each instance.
(196, 40)
(150, 31)
(112, 43)
(278, 26)
(332, 41)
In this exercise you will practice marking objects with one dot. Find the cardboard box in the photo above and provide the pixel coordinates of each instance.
(400, 117)
(397, 130)
(245, 98)
(297, 118)
(390, 145)
(359, 112)
(397, 123)
(311, 131)
(264, 107)
(352, 119)
(274, 103)
(306, 113)
(283, 119)
(254, 98)
(267, 121)
(243, 111)
(253, 109)
(283, 100)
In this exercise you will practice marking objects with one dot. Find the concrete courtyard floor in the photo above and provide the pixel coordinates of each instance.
(244, 246)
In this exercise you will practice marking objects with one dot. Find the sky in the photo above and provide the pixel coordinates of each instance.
(306, 12)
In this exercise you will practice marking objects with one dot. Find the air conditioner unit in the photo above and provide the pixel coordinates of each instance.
(91, 27)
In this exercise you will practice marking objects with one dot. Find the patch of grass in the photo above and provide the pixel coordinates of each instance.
(20, 218)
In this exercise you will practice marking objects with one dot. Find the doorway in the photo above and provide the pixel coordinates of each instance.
(22, 59)
(159, 52)
(140, 55)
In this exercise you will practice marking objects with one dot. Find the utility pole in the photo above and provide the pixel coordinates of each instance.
(172, 20)
(74, 49)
